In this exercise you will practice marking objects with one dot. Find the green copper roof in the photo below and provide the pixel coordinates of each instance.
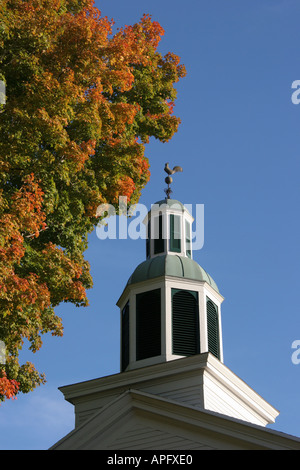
(170, 265)
(170, 203)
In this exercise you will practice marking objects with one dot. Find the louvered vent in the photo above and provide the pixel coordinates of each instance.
(125, 337)
(148, 240)
(175, 233)
(185, 322)
(213, 328)
(148, 324)
(159, 242)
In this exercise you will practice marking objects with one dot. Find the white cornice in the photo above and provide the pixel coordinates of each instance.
(218, 388)
(192, 283)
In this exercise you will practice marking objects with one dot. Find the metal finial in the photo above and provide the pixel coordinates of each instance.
(169, 179)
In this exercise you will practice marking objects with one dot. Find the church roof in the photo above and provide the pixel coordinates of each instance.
(170, 265)
(136, 420)
(170, 406)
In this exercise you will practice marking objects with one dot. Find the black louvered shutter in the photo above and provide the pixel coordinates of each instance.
(185, 322)
(125, 336)
(213, 328)
(159, 242)
(148, 240)
(148, 324)
(175, 233)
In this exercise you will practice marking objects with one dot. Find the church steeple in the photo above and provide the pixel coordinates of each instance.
(170, 307)
(171, 322)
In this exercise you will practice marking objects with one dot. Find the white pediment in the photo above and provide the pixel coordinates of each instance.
(138, 420)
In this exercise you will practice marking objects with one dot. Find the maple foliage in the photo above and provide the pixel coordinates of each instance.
(81, 104)
(8, 388)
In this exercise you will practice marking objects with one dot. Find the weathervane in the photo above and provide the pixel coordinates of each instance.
(169, 179)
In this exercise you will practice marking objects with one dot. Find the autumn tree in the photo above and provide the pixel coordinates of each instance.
(81, 103)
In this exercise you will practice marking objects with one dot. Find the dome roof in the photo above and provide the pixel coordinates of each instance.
(170, 203)
(170, 265)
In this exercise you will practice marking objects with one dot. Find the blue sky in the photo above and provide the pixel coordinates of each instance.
(239, 145)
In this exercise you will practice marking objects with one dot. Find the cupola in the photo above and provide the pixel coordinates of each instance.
(170, 307)
(171, 360)
(169, 228)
